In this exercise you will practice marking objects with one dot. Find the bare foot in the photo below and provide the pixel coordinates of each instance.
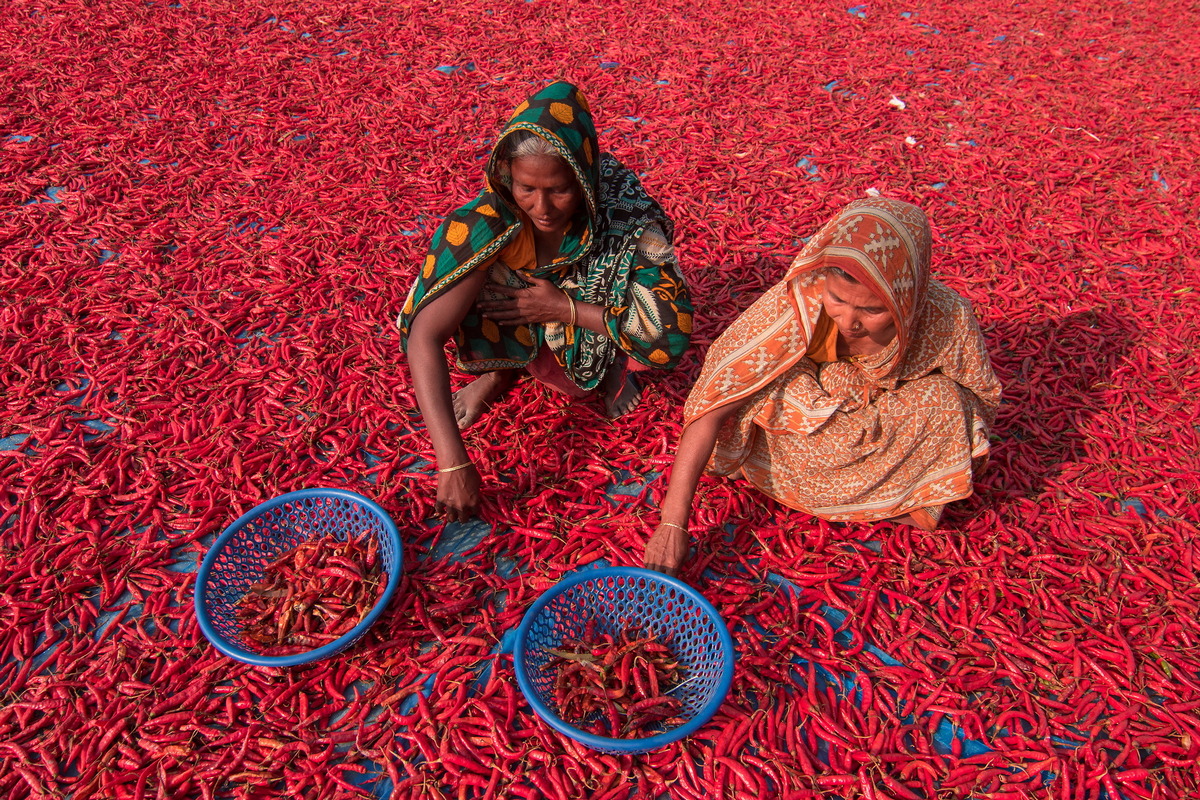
(621, 394)
(667, 550)
(476, 397)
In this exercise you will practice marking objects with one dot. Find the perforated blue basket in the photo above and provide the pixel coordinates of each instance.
(622, 599)
(242, 552)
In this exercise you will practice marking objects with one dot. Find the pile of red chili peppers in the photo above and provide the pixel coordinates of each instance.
(212, 211)
(617, 686)
(311, 595)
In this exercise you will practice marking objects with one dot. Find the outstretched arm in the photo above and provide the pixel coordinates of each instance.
(458, 491)
(668, 547)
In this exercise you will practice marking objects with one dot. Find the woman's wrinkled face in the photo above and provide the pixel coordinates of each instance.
(546, 190)
(860, 315)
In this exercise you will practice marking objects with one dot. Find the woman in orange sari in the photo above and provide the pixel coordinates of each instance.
(857, 389)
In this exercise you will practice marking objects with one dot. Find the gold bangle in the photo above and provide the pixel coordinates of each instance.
(463, 465)
(673, 525)
(571, 300)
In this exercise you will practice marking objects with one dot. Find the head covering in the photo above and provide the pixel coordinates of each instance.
(599, 249)
(560, 115)
(481, 228)
(885, 245)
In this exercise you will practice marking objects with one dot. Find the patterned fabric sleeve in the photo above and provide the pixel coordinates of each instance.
(655, 324)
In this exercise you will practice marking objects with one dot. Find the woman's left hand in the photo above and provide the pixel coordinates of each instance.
(667, 549)
(542, 301)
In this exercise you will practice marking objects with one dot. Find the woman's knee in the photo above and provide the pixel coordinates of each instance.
(935, 399)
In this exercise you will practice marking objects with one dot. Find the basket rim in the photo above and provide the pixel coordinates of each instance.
(324, 651)
(605, 743)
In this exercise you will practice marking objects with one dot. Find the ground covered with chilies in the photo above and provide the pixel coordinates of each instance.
(212, 211)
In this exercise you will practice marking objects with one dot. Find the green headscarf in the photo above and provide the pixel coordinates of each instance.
(598, 251)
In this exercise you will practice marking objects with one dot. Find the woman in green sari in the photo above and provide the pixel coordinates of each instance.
(562, 267)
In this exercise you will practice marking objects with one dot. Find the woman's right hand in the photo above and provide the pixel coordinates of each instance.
(458, 491)
(458, 494)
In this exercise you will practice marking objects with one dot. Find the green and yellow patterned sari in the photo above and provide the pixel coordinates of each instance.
(617, 254)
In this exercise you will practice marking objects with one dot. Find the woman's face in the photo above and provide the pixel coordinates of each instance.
(546, 190)
(860, 316)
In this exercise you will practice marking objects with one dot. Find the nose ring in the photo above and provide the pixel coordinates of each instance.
(856, 326)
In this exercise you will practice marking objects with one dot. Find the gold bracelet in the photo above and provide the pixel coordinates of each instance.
(464, 465)
(673, 525)
(571, 300)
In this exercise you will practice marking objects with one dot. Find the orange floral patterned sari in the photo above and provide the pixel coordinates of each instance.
(899, 432)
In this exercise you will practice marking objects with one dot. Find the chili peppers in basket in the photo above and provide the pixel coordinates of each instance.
(311, 595)
(617, 686)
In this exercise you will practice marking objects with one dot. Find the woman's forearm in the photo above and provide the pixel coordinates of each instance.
(695, 447)
(431, 329)
(431, 385)
(589, 316)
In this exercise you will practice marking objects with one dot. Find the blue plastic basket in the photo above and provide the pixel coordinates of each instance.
(627, 598)
(242, 552)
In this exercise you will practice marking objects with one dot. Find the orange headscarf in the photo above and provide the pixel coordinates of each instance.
(885, 245)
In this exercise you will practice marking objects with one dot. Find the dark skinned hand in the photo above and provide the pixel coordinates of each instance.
(542, 301)
(458, 495)
(667, 550)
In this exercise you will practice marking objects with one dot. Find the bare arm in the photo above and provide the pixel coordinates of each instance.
(458, 492)
(668, 547)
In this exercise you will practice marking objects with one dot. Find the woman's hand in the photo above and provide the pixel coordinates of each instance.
(667, 549)
(458, 494)
(542, 301)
